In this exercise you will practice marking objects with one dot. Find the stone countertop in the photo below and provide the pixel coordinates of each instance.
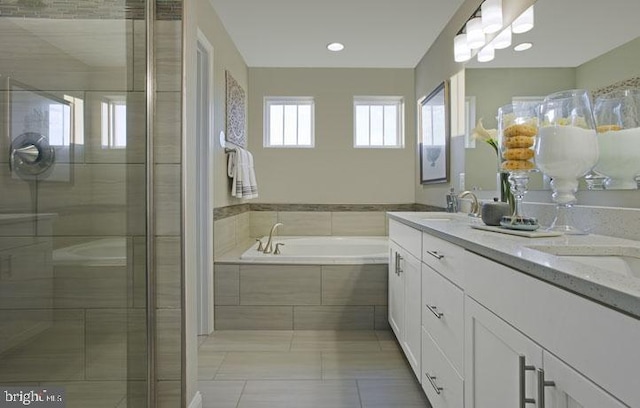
(609, 288)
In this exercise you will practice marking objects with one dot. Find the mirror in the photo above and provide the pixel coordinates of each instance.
(433, 119)
(573, 47)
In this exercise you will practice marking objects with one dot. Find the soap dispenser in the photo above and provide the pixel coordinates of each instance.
(452, 201)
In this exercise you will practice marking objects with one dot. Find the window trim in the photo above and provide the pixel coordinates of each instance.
(384, 101)
(284, 100)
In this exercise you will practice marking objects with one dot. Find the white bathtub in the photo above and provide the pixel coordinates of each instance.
(323, 250)
(99, 252)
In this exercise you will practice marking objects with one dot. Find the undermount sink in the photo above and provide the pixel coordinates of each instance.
(622, 260)
(441, 216)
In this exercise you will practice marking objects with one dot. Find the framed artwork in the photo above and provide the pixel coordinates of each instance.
(434, 135)
(235, 112)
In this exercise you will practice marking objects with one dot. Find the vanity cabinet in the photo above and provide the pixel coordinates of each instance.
(404, 302)
(500, 362)
(492, 336)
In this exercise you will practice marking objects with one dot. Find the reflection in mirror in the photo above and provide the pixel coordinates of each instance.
(570, 50)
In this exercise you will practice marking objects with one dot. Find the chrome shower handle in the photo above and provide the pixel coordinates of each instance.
(29, 154)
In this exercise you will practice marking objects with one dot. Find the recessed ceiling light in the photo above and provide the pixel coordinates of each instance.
(523, 46)
(335, 46)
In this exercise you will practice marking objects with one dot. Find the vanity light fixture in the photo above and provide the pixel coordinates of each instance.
(524, 22)
(487, 53)
(335, 46)
(502, 40)
(491, 11)
(475, 35)
(523, 46)
(461, 51)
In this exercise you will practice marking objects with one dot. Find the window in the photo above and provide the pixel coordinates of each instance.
(378, 121)
(114, 123)
(288, 122)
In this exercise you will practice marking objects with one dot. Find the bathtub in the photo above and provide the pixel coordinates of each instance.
(99, 252)
(323, 250)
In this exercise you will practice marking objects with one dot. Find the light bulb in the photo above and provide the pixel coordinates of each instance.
(491, 16)
(461, 51)
(524, 22)
(475, 35)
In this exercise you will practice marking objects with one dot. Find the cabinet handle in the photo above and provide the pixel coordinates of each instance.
(523, 368)
(541, 384)
(435, 254)
(400, 258)
(397, 260)
(434, 310)
(432, 380)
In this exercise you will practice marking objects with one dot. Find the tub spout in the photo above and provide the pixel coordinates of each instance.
(269, 248)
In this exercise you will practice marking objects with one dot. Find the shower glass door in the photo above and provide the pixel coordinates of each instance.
(73, 325)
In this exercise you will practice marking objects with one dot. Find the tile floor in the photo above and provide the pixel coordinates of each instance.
(305, 369)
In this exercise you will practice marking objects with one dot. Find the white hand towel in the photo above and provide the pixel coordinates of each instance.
(240, 169)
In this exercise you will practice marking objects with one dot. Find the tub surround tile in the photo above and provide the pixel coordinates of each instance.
(261, 223)
(247, 340)
(220, 394)
(139, 272)
(229, 211)
(354, 285)
(333, 317)
(279, 285)
(227, 284)
(299, 223)
(254, 317)
(243, 226)
(300, 394)
(358, 223)
(292, 365)
(224, 237)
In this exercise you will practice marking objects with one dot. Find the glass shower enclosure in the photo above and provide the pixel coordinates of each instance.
(73, 154)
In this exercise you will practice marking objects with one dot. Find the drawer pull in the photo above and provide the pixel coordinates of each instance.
(432, 380)
(435, 254)
(541, 384)
(523, 368)
(434, 310)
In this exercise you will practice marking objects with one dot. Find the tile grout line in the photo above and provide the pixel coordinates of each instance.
(244, 386)
(359, 395)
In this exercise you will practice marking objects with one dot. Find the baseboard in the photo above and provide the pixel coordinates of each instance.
(196, 402)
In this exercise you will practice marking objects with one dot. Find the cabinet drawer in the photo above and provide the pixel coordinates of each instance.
(440, 381)
(407, 237)
(443, 314)
(446, 258)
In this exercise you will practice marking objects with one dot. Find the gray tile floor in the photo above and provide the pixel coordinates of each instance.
(305, 369)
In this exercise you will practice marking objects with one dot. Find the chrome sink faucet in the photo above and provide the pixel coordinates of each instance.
(475, 206)
(269, 247)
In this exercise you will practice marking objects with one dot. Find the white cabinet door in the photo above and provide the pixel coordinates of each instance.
(500, 362)
(410, 268)
(396, 292)
(566, 388)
